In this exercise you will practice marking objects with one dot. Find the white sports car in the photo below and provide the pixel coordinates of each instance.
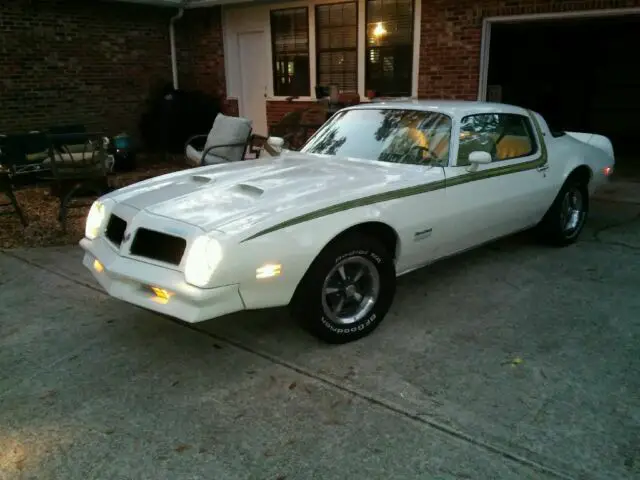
(380, 190)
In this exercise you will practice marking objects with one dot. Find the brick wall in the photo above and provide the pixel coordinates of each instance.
(277, 109)
(450, 43)
(73, 61)
(230, 107)
(450, 39)
(200, 46)
(95, 62)
(77, 61)
(201, 51)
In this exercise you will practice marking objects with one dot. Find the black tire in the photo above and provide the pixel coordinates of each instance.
(553, 227)
(310, 305)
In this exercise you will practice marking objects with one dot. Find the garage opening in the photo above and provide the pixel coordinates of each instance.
(581, 74)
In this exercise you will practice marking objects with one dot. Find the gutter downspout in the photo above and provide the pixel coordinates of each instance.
(172, 41)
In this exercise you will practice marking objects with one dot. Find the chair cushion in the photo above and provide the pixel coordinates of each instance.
(77, 148)
(228, 130)
(64, 157)
(37, 156)
(194, 157)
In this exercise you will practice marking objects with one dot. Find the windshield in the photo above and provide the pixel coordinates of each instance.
(386, 135)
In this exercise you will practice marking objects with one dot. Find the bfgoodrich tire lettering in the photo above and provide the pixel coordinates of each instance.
(347, 291)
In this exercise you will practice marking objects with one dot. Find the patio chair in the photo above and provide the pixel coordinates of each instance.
(6, 189)
(24, 155)
(227, 141)
(59, 131)
(78, 174)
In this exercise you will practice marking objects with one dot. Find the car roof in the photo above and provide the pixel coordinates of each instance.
(453, 108)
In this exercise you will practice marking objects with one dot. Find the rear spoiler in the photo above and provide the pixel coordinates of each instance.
(595, 140)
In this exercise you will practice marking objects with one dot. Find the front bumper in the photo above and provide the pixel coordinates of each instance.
(131, 281)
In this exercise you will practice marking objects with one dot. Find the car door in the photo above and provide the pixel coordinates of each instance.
(487, 201)
(417, 216)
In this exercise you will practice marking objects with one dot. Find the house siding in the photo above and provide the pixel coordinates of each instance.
(276, 109)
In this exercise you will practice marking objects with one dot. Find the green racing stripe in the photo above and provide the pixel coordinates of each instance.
(417, 189)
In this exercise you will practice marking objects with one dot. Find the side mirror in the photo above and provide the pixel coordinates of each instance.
(480, 157)
(276, 142)
(273, 146)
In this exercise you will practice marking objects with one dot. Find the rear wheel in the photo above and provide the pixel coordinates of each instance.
(565, 219)
(347, 291)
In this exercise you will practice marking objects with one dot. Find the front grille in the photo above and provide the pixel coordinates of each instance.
(115, 229)
(158, 246)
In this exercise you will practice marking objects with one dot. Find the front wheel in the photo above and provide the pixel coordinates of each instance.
(347, 291)
(565, 219)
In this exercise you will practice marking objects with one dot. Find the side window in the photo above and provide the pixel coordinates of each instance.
(504, 136)
(421, 138)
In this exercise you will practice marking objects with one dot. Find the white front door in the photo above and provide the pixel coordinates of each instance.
(253, 79)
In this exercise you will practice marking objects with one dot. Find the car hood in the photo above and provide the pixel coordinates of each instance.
(239, 196)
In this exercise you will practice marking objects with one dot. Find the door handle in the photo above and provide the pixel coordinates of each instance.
(543, 168)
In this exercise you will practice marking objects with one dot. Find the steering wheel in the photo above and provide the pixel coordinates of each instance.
(420, 151)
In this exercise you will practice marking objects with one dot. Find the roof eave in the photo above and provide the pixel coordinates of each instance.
(183, 3)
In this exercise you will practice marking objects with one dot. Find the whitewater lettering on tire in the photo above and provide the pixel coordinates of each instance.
(356, 328)
(361, 253)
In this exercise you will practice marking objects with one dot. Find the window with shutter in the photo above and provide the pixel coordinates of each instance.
(337, 45)
(389, 49)
(290, 46)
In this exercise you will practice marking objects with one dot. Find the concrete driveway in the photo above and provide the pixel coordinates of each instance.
(513, 361)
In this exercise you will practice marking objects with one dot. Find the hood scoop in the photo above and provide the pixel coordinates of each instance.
(201, 179)
(250, 190)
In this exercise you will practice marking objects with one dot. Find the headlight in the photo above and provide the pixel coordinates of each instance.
(202, 260)
(95, 220)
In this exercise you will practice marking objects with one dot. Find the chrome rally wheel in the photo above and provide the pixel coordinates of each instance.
(347, 290)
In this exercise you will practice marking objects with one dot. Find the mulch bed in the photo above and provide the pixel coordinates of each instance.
(41, 209)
